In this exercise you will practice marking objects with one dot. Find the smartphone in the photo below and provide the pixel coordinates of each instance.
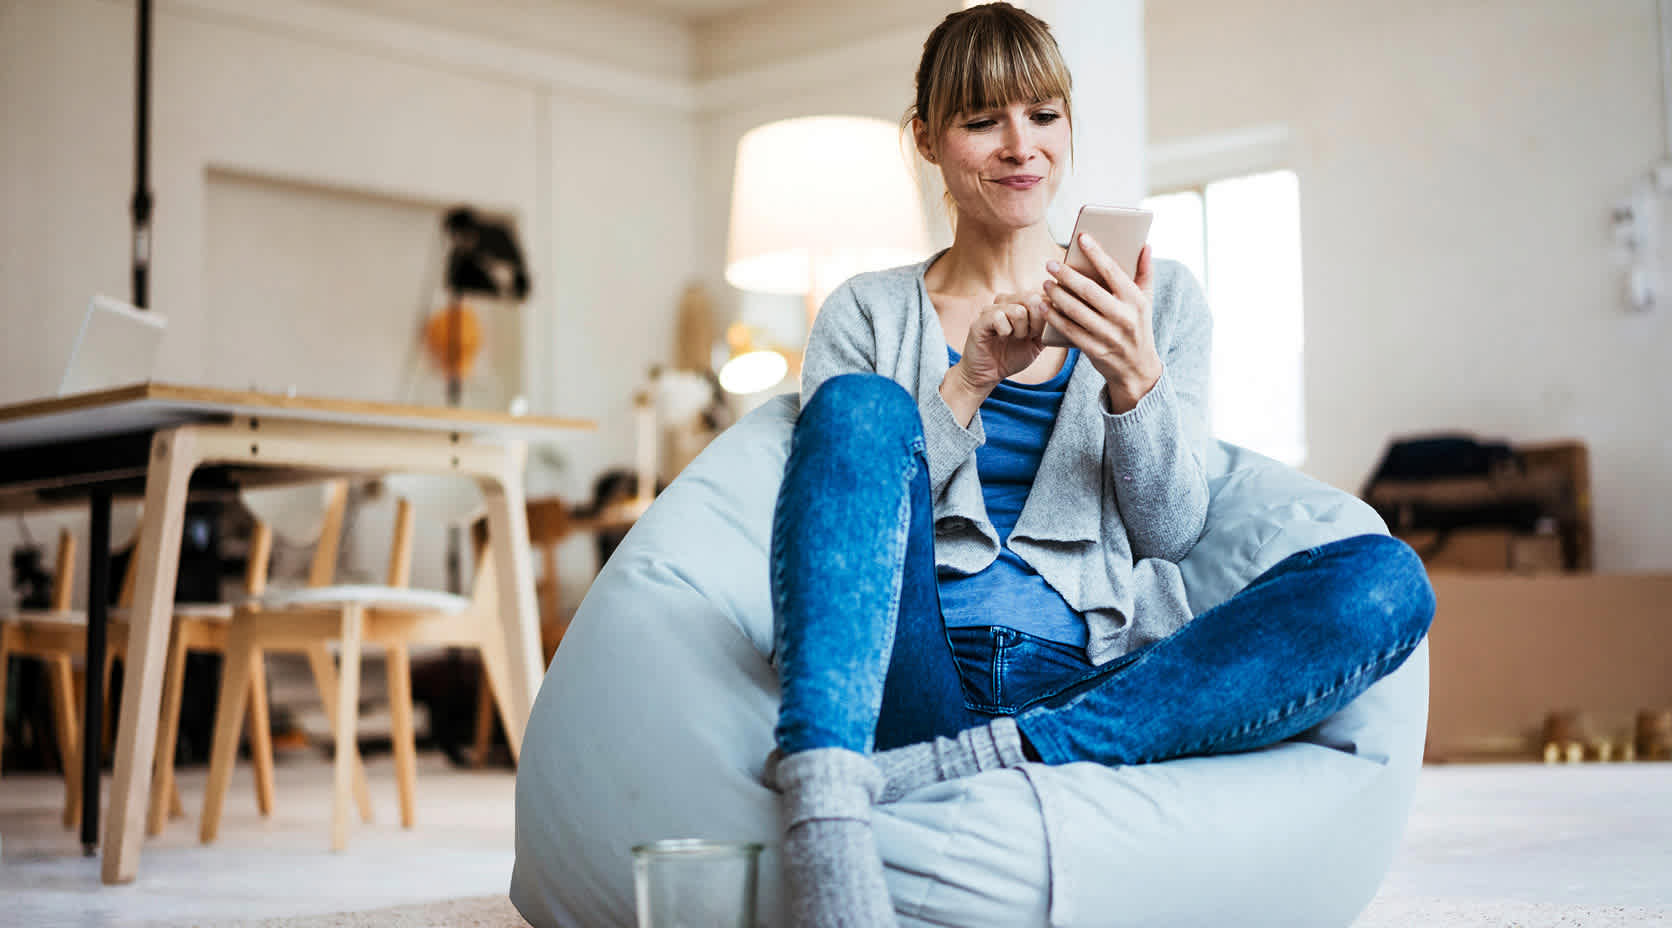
(1120, 230)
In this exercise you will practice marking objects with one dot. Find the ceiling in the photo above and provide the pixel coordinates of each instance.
(687, 11)
(696, 10)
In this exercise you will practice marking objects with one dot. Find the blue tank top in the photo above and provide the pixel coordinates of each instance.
(1017, 419)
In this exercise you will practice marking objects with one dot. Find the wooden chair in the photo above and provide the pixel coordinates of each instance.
(353, 616)
(203, 628)
(57, 636)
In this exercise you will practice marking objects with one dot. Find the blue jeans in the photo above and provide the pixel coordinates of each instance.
(865, 660)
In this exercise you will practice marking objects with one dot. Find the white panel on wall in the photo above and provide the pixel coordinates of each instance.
(326, 292)
(312, 290)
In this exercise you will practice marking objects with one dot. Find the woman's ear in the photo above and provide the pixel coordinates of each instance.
(920, 136)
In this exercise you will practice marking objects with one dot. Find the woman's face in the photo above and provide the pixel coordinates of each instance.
(1002, 166)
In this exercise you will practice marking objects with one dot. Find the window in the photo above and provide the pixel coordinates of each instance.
(1241, 238)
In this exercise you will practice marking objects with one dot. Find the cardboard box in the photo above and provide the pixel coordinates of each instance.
(1488, 550)
(1505, 650)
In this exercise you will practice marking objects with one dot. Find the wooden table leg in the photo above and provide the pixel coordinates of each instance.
(173, 457)
(514, 570)
(162, 773)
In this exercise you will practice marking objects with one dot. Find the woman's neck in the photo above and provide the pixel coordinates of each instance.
(984, 261)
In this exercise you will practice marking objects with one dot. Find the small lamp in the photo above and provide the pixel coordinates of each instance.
(750, 367)
(818, 199)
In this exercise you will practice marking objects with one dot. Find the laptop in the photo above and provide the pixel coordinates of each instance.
(116, 347)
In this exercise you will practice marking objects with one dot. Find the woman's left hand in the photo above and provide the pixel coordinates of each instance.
(1109, 321)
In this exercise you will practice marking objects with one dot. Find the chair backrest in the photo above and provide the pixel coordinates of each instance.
(310, 514)
(438, 502)
(63, 574)
(400, 548)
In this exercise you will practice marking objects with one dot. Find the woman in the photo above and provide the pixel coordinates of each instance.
(975, 550)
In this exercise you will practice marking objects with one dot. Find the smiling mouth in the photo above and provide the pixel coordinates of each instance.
(1018, 183)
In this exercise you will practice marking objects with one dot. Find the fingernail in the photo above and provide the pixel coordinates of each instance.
(1053, 267)
(1085, 238)
(1050, 283)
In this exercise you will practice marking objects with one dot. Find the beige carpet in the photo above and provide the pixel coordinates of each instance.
(1499, 846)
(497, 912)
(1517, 846)
(484, 912)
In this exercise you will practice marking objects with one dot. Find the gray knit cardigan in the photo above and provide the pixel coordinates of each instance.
(1118, 500)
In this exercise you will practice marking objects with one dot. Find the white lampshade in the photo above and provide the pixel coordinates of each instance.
(819, 199)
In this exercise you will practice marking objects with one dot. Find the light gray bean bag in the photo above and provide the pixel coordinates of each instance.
(657, 713)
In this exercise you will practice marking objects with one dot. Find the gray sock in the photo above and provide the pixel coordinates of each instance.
(993, 746)
(831, 866)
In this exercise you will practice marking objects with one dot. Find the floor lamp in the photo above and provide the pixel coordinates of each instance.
(818, 199)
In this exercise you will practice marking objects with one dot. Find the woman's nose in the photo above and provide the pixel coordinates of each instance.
(1017, 143)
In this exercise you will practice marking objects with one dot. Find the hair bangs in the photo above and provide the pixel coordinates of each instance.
(1005, 60)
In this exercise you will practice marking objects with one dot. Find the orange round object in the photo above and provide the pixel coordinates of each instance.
(454, 357)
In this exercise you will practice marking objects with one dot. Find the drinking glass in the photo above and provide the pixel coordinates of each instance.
(692, 883)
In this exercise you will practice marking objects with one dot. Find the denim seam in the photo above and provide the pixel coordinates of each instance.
(1396, 652)
(1106, 670)
(902, 537)
(1001, 662)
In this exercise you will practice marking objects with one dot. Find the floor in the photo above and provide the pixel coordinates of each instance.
(1523, 845)
(263, 868)
(1534, 845)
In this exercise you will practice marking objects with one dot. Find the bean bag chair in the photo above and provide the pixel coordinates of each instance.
(657, 713)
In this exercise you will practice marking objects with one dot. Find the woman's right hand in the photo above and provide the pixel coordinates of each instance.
(1004, 339)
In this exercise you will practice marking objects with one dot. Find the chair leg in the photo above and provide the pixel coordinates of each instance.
(229, 718)
(347, 723)
(78, 676)
(163, 788)
(107, 722)
(484, 723)
(401, 730)
(66, 720)
(261, 735)
(325, 679)
(5, 664)
(496, 669)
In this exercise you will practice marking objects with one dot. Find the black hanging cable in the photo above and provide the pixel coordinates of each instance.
(141, 206)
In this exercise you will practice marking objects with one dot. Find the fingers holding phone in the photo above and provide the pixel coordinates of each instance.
(1108, 322)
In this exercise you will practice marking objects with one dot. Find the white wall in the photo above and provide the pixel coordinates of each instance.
(306, 94)
(1457, 166)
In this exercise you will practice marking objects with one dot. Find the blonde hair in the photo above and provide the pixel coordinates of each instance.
(987, 56)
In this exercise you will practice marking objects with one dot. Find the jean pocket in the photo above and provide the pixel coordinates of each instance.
(973, 655)
(1027, 667)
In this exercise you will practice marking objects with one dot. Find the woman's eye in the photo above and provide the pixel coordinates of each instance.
(979, 124)
(1046, 119)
